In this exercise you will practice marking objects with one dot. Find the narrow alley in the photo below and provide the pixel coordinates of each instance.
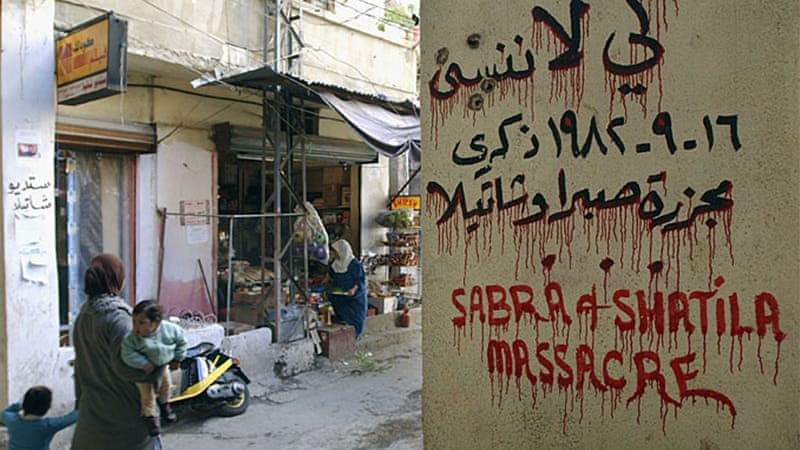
(370, 400)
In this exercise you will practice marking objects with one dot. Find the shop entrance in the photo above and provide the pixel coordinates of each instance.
(95, 195)
(94, 214)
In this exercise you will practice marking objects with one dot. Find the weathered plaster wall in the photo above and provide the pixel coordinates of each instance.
(29, 316)
(182, 169)
(153, 99)
(184, 173)
(359, 59)
(201, 36)
(610, 225)
(204, 35)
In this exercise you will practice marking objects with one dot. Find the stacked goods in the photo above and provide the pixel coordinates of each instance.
(400, 218)
(401, 239)
(403, 259)
(401, 280)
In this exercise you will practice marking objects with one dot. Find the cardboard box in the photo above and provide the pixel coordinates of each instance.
(246, 297)
(249, 313)
(236, 327)
(383, 305)
(333, 175)
(330, 194)
(337, 341)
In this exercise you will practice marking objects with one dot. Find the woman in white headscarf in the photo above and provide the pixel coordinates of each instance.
(348, 286)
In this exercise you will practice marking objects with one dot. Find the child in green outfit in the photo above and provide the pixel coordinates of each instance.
(151, 345)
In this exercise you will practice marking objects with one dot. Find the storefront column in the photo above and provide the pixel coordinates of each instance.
(29, 327)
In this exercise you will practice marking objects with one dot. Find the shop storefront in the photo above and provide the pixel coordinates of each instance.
(297, 157)
(329, 180)
(95, 185)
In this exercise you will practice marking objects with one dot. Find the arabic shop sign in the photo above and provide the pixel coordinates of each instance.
(91, 60)
(406, 202)
(30, 195)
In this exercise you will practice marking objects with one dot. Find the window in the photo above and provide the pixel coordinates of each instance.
(324, 4)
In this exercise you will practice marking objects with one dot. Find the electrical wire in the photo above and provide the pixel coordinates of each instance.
(348, 64)
(382, 20)
(229, 99)
(280, 117)
(371, 5)
(225, 42)
(378, 19)
(190, 25)
(221, 41)
(195, 71)
(181, 126)
(350, 19)
(196, 94)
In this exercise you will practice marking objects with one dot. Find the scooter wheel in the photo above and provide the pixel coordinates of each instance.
(237, 405)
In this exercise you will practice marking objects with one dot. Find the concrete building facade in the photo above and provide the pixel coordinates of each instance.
(610, 224)
(111, 164)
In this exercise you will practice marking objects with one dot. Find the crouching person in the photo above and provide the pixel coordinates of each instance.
(27, 426)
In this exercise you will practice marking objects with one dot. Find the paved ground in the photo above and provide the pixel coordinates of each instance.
(372, 400)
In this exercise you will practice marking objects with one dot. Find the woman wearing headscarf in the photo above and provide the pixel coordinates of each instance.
(105, 392)
(348, 286)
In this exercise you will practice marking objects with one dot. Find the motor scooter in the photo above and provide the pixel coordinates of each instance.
(210, 379)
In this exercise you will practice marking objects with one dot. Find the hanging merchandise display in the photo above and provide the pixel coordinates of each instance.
(401, 218)
(309, 233)
(402, 257)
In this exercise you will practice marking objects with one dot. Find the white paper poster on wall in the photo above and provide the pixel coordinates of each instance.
(34, 264)
(29, 148)
(196, 212)
(196, 234)
(28, 228)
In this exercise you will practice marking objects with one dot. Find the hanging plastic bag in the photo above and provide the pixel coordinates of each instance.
(311, 230)
(398, 218)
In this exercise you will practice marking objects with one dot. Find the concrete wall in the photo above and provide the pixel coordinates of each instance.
(28, 315)
(361, 59)
(610, 240)
(183, 169)
(169, 45)
(185, 175)
(229, 36)
(200, 35)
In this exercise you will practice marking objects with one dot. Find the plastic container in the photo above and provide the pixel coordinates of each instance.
(405, 319)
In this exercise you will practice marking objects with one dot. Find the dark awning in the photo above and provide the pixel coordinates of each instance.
(386, 132)
(387, 127)
(247, 143)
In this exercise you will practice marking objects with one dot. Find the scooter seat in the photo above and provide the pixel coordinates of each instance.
(200, 349)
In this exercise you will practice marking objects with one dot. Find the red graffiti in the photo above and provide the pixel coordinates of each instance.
(554, 363)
